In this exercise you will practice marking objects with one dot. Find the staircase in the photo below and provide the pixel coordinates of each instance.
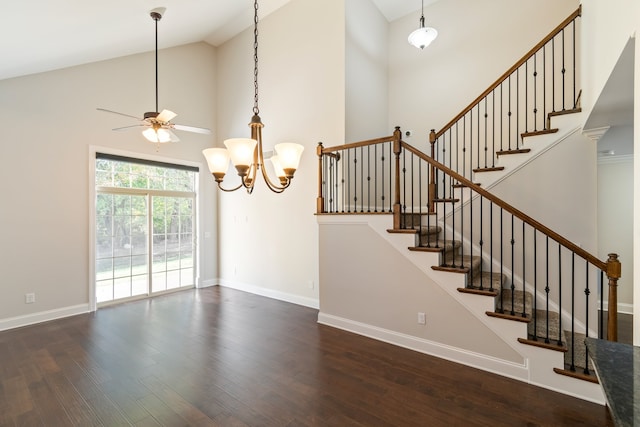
(519, 278)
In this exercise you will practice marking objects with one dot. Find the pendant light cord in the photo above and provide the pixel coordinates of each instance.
(256, 108)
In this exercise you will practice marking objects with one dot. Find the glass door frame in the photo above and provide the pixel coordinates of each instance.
(92, 193)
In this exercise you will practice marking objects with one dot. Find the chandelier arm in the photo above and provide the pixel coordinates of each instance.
(229, 190)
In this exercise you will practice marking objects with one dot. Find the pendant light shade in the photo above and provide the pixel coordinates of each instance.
(422, 37)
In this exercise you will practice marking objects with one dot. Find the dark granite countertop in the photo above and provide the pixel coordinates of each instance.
(616, 365)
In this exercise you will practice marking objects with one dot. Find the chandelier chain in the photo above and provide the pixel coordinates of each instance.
(256, 108)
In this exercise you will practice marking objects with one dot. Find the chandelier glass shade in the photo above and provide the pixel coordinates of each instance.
(247, 154)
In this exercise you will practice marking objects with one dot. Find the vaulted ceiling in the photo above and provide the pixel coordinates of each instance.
(43, 35)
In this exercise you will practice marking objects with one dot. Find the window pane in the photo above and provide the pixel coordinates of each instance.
(139, 205)
(159, 282)
(122, 204)
(139, 285)
(173, 279)
(104, 204)
(104, 269)
(138, 244)
(122, 287)
(104, 290)
(122, 267)
(159, 263)
(104, 246)
(186, 277)
(139, 264)
(186, 259)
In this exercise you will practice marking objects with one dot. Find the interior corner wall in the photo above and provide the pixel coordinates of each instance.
(606, 29)
(49, 122)
(615, 217)
(477, 42)
(366, 69)
(269, 242)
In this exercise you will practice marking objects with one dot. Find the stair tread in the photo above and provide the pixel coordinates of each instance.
(539, 325)
(538, 132)
(563, 112)
(491, 169)
(516, 306)
(507, 152)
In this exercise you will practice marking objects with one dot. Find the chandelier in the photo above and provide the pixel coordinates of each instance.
(423, 36)
(247, 154)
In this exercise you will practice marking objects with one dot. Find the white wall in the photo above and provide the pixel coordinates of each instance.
(606, 28)
(49, 121)
(615, 219)
(477, 42)
(366, 62)
(269, 242)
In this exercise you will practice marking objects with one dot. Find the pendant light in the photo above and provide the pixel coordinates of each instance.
(423, 36)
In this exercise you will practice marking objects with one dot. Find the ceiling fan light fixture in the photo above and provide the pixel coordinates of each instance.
(156, 135)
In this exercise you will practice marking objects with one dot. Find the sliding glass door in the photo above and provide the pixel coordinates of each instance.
(144, 227)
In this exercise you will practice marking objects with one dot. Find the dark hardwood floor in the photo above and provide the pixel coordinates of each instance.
(222, 357)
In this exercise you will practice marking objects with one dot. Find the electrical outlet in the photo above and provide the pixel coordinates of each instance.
(29, 298)
(422, 318)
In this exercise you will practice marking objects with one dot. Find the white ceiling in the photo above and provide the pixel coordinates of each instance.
(43, 35)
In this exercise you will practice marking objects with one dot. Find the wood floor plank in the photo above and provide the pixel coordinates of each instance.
(221, 357)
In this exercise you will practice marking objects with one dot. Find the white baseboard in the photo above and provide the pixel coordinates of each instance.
(207, 283)
(270, 293)
(622, 307)
(42, 316)
(519, 371)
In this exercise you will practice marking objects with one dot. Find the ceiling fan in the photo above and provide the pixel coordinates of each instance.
(158, 125)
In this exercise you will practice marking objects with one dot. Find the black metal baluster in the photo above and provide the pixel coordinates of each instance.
(534, 312)
(601, 314)
(535, 93)
(404, 187)
(575, 101)
(587, 292)
(368, 178)
(559, 294)
(349, 179)
(524, 275)
(471, 140)
(553, 74)
(509, 114)
(544, 87)
(464, 148)
(493, 129)
(564, 70)
(513, 267)
(413, 206)
(547, 289)
(518, 108)
(501, 256)
(572, 367)
(491, 248)
(457, 149)
(486, 138)
(361, 180)
(382, 197)
(526, 95)
(375, 180)
(481, 241)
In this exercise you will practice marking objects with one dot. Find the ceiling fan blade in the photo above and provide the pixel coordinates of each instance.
(192, 129)
(174, 137)
(120, 114)
(165, 116)
(128, 127)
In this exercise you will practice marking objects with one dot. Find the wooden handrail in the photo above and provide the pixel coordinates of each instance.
(507, 207)
(510, 71)
(358, 144)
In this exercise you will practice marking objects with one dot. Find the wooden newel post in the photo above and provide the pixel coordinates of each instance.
(320, 199)
(397, 148)
(432, 172)
(614, 271)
